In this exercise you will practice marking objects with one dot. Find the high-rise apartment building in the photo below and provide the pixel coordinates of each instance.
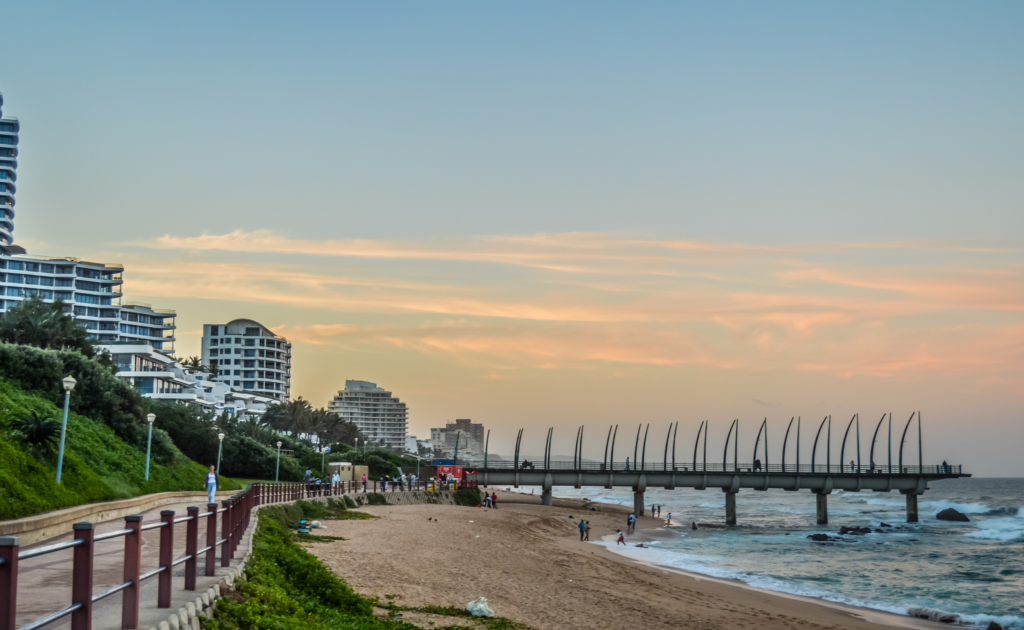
(9, 128)
(378, 415)
(247, 355)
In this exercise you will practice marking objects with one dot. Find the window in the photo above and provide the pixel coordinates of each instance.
(46, 268)
(236, 383)
(238, 351)
(63, 283)
(213, 352)
(46, 282)
(214, 342)
(238, 341)
(34, 280)
(249, 353)
(31, 267)
(214, 330)
(14, 278)
(249, 364)
(248, 385)
(14, 291)
(17, 265)
(237, 372)
(250, 342)
(87, 299)
(63, 295)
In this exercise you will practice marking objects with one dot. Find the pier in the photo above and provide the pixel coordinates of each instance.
(817, 477)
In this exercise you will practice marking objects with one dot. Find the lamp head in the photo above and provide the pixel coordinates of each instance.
(278, 445)
(69, 383)
(220, 436)
(150, 418)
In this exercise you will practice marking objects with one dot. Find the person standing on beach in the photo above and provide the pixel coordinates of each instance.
(586, 531)
(621, 540)
(669, 522)
(630, 522)
(627, 463)
(583, 529)
(494, 500)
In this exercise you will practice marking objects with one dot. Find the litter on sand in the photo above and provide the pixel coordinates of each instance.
(479, 608)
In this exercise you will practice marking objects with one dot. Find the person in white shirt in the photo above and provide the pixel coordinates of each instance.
(211, 483)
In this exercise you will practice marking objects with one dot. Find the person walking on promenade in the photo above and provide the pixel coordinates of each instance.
(627, 464)
(621, 540)
(586, 531)
(211, 483)
(583, 529)
(494, 500)
(364, 483)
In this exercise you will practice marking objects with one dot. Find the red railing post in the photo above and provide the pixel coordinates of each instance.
(225, 531)
(191, 547)
(163, 588)
(132, 571)
(211, 540)
(81, 577)
(9, 546)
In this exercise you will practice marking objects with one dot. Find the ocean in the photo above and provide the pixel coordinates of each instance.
(975, 569)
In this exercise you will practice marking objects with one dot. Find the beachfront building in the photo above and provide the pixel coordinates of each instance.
(91, 293)
(248, 356)
(156, 374)
(378, 415)
(9, 128)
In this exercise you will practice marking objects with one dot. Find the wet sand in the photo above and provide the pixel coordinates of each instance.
(529, 563)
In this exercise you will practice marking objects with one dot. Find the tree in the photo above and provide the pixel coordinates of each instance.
(292, 417)
(195, 364)
(33, 322)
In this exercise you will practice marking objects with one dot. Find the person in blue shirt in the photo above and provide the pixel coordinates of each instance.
(583, 529)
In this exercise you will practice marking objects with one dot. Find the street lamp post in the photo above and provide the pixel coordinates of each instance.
(277, 470)
(69, 384)
(220, 447)
(323, 456)
(149, 441)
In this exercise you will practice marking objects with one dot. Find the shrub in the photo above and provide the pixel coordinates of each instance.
(37, 429)
(467, 496)
(375, 498)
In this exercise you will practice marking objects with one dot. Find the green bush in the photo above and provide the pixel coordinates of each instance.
(467, 496)
(349, 503)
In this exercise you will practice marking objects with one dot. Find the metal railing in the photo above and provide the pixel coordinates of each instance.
(717, 467)
(236, 516)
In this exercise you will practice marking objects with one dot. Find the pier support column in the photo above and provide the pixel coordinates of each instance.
(822, 500)
(911, 507)
(730, 508)
(545, 498)
(638, 504)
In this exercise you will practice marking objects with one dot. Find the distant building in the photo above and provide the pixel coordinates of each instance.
(9, 128)
(470, 437)
(156, 374)
(379, 416)
(249, 356)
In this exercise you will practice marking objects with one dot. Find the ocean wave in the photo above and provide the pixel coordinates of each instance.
(965, 508)
(1003, 529)
(699, 564)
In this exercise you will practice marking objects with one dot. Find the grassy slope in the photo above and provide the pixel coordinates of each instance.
(97, 465)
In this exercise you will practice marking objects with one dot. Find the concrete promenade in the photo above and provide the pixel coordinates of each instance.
(44, 582)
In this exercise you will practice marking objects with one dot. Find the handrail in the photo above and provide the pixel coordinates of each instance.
(146, 576)
(63, 612)
(110, 591)
(181, 559)
(42, 551)
(114, 534)
(156, 525)
(182, 519)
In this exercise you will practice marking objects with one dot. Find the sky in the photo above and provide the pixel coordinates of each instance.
(540, 214)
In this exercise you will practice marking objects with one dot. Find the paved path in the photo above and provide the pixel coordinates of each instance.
(44, 583)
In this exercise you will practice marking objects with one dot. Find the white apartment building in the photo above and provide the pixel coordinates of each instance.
(92, 295)
(156, 374)
(249, 356)
(379, 416)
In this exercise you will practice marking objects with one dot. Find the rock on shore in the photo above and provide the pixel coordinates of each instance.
(949, 514)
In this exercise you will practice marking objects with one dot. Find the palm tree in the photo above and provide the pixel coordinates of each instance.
(37, 429)
(292, 417)
(195, 364)
(33, 322)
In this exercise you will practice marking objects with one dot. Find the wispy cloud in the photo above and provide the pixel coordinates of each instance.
(582, 300)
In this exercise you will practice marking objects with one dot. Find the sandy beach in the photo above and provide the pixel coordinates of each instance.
(529, 563)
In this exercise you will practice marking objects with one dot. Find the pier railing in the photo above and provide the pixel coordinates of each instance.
(701, 467)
